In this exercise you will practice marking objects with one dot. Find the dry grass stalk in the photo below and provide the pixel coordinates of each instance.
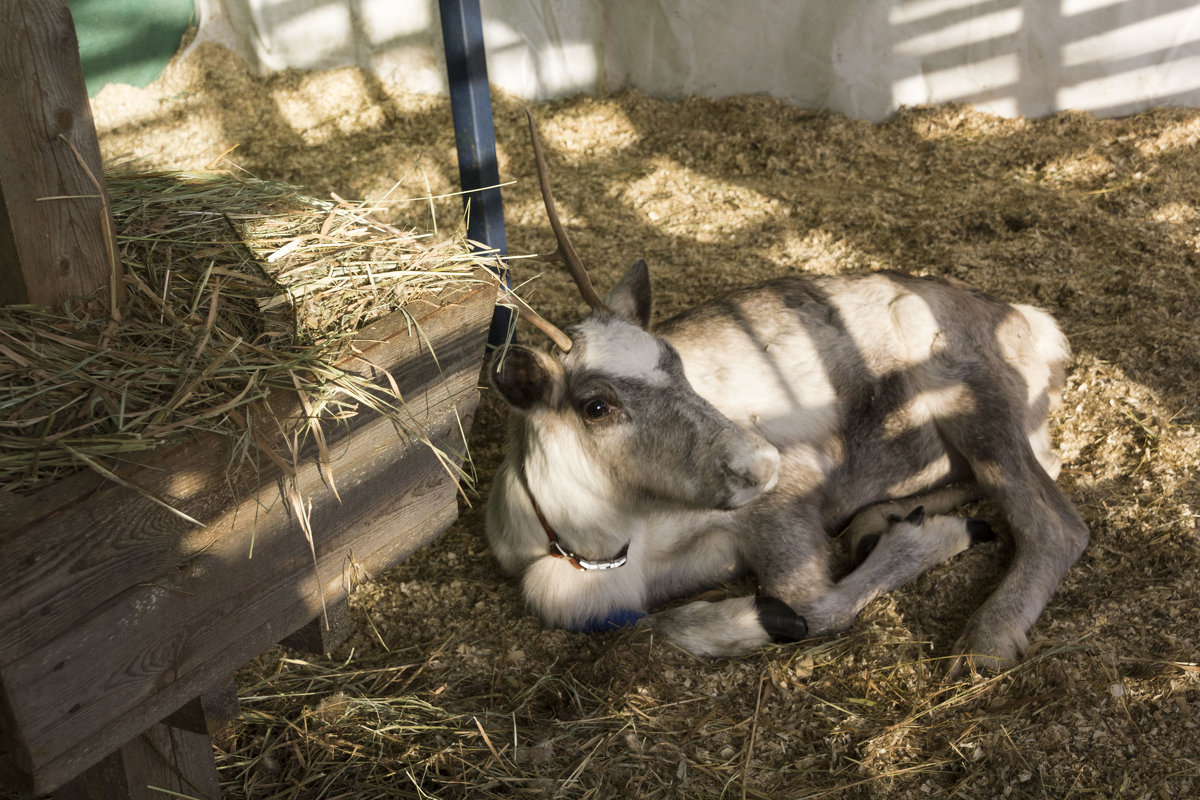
(384, 725)
(235, 289)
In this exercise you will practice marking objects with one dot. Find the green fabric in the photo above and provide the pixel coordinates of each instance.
(128, 41)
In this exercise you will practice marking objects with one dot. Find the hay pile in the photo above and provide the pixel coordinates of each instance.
(449, 689)
(233, 288)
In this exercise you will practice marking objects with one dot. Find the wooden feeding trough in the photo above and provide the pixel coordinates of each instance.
(121, 621)
(115, 612)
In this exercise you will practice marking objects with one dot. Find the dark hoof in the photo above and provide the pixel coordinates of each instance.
(778, 619)
(916, 516)
(979, 531)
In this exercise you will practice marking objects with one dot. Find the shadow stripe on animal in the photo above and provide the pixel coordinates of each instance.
(736, 437)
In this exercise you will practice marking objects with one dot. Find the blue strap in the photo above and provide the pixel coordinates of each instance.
(613, 622)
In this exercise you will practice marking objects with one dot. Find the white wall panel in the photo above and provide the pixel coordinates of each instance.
(865, 58)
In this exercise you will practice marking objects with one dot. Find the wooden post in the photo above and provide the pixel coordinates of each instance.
(173, 757)
(56, 232)
(209, 712)
(162, 762)
(324, 633)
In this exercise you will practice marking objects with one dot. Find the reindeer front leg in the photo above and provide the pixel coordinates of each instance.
(812, 606)
(905, 551)
(790, 557)
(714, 629)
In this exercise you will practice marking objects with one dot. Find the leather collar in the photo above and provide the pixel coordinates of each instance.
(559, 551)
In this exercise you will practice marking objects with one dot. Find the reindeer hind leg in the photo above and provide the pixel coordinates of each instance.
(1048, 533)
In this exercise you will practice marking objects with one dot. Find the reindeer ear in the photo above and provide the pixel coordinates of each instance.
(630, 298)
(526, 378)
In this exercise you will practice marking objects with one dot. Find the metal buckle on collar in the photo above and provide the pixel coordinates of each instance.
(558, 551)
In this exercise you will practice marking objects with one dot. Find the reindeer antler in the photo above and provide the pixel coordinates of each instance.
(566, 252)
(536, 320)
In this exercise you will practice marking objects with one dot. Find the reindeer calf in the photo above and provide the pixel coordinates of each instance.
(645, 465)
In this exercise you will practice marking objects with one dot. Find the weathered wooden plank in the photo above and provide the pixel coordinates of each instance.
(56, 234)
(130, 544)
(208, 713)
(137, 659)
(82, 542)
(16, 765)
(394, 342)
(115, 614)
(322, 634)
(161, 762)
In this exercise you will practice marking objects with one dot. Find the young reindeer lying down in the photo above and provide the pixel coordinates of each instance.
(643, 465)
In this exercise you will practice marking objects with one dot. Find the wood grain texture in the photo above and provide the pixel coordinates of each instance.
(210, 712)
(56, 233)
(115, 613)
(83, 541)
(160, 762)
(320, 635)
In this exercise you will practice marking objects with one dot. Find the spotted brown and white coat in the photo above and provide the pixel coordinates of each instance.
(737, 436)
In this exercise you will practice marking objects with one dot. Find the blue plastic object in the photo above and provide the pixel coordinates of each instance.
(614, 621)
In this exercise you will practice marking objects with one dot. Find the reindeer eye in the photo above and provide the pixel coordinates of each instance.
(596, 409)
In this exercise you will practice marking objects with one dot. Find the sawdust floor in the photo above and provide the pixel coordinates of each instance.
(450, 688)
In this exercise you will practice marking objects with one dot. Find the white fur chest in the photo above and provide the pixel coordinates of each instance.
(668, 553)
